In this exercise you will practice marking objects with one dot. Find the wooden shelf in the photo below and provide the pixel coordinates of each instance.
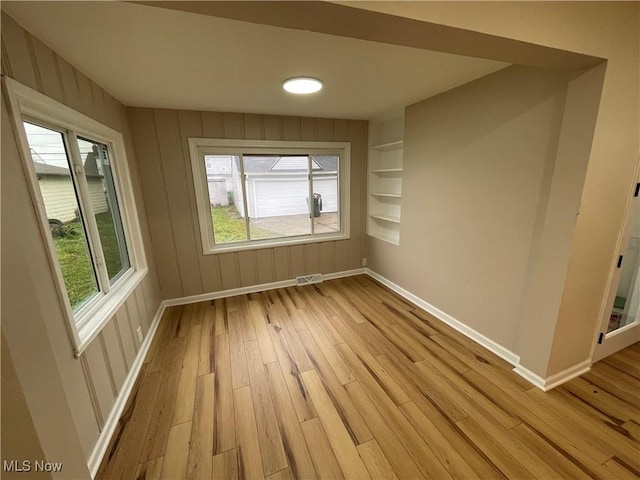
(386, 147)
(386, 219)
(389, 195)
(387, 170)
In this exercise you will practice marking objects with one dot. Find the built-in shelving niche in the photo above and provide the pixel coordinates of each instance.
(384, 195)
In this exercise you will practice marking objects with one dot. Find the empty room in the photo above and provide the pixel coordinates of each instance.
(332, 240)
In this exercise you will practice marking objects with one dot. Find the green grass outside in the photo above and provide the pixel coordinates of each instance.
(73, 257)
(229, 226)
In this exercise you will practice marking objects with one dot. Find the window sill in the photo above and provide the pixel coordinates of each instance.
(274, 243)
(91, 322)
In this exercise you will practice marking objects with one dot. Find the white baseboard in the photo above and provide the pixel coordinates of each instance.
(232, 292)
(477, 337)
(555, 380)
(346, 273)
(544, 384)
(530, 377)
(110, 425)
(567, 374)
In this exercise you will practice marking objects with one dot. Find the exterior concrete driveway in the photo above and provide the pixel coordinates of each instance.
(293, 225)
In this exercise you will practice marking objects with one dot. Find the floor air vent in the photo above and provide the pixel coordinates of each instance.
(308, 279)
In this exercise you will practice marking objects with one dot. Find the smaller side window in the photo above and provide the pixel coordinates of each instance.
(61, 199)
(81, 202)
(81, 190)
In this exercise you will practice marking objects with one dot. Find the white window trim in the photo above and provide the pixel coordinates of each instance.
(198, 147)
(87, 323)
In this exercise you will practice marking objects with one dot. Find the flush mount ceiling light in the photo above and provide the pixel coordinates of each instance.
(302, 85)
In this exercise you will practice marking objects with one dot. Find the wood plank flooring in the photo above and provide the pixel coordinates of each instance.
(345, 379)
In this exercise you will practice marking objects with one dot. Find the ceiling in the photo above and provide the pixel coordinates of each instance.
(155, 57)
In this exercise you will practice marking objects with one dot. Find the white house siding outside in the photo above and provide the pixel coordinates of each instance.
(274, 197)
(280, 194)
(98, 195)
(278, 190)
(218, 189)
(59, 197)
(219, 178)
(327, 186)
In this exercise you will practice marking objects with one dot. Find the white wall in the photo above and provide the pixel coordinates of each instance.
(478, 161)
(608, 30)
(19, 436)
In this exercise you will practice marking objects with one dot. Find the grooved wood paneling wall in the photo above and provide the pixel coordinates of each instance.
(93, 381)
(167, 183)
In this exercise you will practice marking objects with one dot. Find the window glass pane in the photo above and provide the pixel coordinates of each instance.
(225, 197)
(277, 196)
(102, 193)
(626, 306)
(326, 188)
(51, 164)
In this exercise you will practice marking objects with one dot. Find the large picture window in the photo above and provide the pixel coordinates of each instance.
(253, 194)
(80, 185)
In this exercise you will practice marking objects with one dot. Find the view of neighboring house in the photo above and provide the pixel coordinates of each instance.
(58, 193)
(270, 179)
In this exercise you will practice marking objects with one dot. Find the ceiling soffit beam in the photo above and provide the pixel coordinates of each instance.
(346, 21)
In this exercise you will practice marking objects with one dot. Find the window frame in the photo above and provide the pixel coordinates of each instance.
(27, 105)
(199, 147)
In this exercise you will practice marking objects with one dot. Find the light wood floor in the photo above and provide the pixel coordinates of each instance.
(346, 380)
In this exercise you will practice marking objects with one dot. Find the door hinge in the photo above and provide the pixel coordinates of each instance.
(78, 169)
(620, 261)
(600, 338)
(637, 192)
